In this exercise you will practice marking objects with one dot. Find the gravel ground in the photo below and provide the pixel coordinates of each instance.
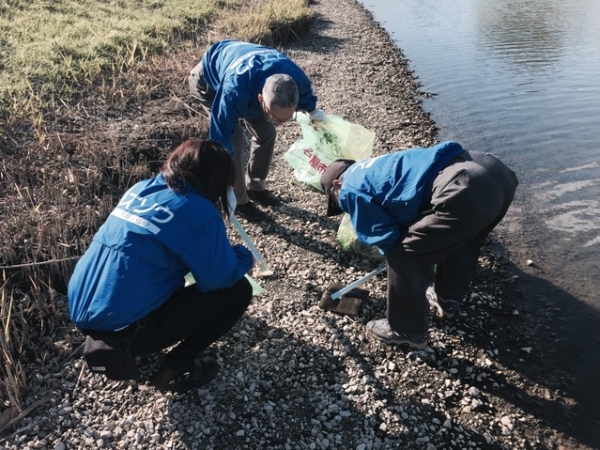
(293, 375)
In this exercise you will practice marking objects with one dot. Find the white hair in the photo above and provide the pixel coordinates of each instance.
(281, 90)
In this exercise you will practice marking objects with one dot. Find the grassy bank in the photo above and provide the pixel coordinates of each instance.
(71, 70)
(51, 49)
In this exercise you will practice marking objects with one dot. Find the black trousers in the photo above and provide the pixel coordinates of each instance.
(469, 198)
(191, 319)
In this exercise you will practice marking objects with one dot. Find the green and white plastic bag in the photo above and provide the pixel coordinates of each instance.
(322, 143)
(348, 240)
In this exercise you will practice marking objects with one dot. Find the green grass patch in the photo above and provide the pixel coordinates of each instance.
(49, 48)
(269, 22)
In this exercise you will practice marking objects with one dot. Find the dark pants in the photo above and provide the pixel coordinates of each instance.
(262, 141)
(191, 318)
(469, 198)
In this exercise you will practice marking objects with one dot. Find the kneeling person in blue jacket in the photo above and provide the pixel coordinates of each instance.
(261, 88)
(422, 207)
(128, 288)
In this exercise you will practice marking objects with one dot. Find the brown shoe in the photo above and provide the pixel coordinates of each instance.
(250, 212)
(265, 197)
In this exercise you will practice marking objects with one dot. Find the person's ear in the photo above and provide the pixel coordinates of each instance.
(260, 97)
(336, 183)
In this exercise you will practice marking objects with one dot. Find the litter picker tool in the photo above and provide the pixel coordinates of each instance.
(263, 269)
(347, 299)
(355, 284)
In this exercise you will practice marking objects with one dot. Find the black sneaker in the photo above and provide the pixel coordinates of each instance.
(444, 308)
(265, 197)
(250, 212)
(380, 329)
(202, 373)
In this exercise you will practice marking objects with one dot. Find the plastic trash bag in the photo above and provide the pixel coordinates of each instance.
(322, 143)
(348, 240)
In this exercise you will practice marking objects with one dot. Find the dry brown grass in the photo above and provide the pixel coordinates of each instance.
(64, 165)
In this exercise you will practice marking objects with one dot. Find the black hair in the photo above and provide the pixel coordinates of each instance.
(205, 165)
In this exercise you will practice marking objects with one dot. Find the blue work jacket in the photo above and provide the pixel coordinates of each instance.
(385, 195)
(237, 72)
(140, 255)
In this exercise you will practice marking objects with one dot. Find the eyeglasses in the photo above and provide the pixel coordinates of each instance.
(272, 117)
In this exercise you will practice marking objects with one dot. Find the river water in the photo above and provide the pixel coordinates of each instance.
(520, 79)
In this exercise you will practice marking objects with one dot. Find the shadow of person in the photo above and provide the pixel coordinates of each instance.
(566, 331)
(548, 338)
(278, 389)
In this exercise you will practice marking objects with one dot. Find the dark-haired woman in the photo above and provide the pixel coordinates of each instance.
(128, 289)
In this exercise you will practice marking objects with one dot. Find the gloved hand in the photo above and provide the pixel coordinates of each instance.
(317, 114)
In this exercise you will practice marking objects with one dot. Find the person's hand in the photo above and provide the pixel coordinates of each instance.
(317, 114)
(243, 255)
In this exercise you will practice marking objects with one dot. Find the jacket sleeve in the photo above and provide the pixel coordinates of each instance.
(213, 261)
(307, 100)
(373, 224)
(227, 108)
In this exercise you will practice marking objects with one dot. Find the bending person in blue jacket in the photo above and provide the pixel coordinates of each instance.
(422, 207)
(239, 82)
(128, 288)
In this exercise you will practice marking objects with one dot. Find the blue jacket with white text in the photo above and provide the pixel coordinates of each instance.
(237, 72)
(140, 255)
(384, 195)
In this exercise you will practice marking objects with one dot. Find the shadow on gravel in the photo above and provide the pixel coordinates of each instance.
(299, 395)
(553, 342)
(265, 393)
(326, 44)
(567, 333)
(396, 399)
(305, 240)
(310, 238)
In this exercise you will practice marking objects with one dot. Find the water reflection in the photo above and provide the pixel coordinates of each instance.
(571, 216)
(524, 34)
(521, 79)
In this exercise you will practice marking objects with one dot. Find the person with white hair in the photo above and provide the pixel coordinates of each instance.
(240, 83)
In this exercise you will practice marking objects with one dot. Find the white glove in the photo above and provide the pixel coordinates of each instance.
(317, 114)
